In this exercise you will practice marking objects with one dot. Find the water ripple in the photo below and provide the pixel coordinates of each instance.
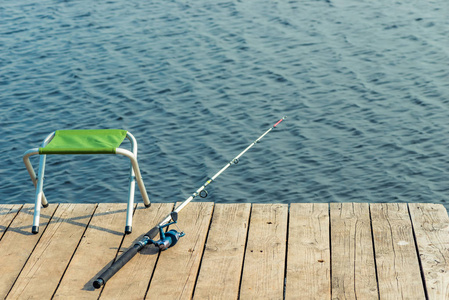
(364, 84)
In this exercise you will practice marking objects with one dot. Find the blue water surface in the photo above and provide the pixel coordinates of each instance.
(365, 86)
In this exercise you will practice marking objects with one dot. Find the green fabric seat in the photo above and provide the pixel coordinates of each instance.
(91, 141)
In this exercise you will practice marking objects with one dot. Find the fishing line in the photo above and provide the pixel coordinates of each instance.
(170, 238)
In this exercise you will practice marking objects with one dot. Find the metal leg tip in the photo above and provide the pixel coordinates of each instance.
(128, 229)
(98, 283)
(149, 204)
(45, 205)
(35, 229)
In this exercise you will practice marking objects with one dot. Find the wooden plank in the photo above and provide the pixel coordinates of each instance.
(264, 265)
(177, 267)
(18, 242)
(431, 226)
(43, 270)
(352, 267)
(7, 213)
(222, 262)
(98, 248)
(63, 252)
(308, 261)
(132, 281)
(398, 272)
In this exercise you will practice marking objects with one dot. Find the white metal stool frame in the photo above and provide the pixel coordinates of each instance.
(38, 181)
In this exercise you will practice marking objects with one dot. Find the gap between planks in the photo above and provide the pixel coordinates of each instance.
(221, 258)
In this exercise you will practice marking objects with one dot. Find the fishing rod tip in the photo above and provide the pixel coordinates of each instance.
(279, 121)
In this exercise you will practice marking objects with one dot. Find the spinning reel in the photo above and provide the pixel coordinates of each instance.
(169, 238)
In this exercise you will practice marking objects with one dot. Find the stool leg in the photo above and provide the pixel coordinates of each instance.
(26, 160)
(39, 194)
(138, 177)
(130, 207)
(143, 191)
(134, 175)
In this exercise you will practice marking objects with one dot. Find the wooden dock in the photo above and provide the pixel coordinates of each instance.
(230, 251)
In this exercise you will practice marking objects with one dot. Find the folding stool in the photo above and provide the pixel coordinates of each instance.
(93, 141)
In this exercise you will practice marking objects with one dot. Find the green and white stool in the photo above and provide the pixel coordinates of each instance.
(99, 141)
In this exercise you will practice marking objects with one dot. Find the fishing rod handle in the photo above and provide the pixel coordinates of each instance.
(152, 233)
(117, 265)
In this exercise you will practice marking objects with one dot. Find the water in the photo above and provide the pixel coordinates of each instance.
(365, 86)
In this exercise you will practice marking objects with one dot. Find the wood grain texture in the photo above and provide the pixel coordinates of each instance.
(18, 242)
(132, 281)
(177, 267)
(398, 271)
(431, 225)
(214, 260)
(308, 261)
(352, 267)
(46, 265)
(264, 266)
(97, 248)
(222, 261)
(7, 213)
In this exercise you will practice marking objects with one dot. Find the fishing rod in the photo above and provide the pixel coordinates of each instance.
(170, 238)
